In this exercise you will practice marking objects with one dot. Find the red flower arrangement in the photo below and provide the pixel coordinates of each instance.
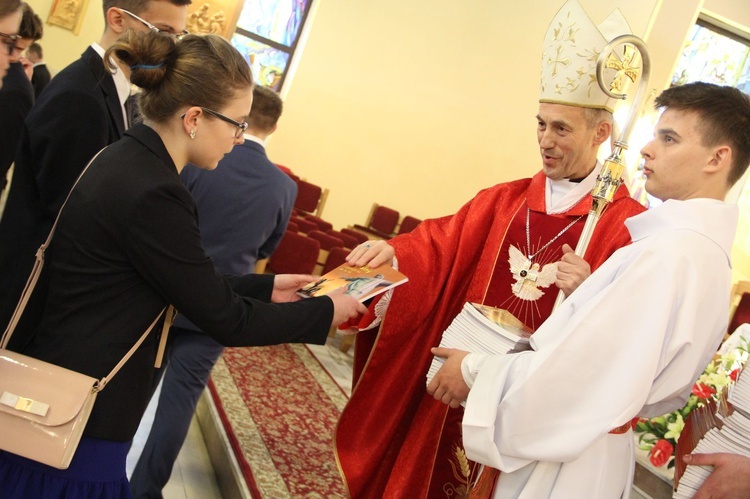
(661, 453)
(659, 435)
(703, 391)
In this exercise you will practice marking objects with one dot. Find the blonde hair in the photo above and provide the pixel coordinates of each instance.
(197, 70)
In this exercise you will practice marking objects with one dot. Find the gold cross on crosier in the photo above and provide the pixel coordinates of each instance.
(624, 68)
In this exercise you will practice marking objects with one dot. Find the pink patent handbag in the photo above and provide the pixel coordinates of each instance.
(43, 407)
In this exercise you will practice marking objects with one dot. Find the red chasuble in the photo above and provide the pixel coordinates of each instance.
(395, 440)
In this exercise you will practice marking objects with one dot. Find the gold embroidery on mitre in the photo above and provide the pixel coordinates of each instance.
(571, 48)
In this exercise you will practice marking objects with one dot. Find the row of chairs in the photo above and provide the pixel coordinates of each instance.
(308, 249)
(385, 223)
(382, 222)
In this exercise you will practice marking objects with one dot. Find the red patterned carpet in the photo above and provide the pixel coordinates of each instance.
(280, 407)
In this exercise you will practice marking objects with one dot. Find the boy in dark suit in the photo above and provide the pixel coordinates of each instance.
(41, 75)
(81, 111)
(17, 94)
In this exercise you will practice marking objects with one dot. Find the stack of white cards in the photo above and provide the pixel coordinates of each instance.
(473, 331)
(732, 437)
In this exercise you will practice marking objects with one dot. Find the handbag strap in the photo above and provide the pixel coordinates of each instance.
(168, 312)
(38, 265)
(34, 277)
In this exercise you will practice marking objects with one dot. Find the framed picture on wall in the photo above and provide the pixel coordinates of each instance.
(217, 17)
(68, 14)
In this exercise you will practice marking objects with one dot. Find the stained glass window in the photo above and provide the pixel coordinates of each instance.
(714, 56)
(267, 34)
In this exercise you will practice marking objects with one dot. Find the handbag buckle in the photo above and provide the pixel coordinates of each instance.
(24, 404)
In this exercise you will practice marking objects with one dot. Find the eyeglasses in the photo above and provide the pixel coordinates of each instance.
(9, 41)
(241, 127)
(153, 28)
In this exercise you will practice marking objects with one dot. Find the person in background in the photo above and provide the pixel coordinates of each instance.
(633, 338)
(17, 94)
(41, 75)
(393, 439)
(127, 243)
(243, 210)
(10, 19)
(82, 110)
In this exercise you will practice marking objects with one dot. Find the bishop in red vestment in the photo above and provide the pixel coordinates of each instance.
(395, 440)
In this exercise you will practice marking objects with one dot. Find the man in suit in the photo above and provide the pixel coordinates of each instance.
(41, 75)
(243, 207)
(17, 94)
(81, 111)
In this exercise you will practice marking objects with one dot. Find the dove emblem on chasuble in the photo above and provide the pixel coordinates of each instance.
(529, 277)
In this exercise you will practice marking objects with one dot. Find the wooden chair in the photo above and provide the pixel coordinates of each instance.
(327, 243)
(303, 225)
(408, 224)
(361, 237)
(322, 224)
(296, 254)
(381, 222)
(349, 240)
(336, 258)
(310, 198)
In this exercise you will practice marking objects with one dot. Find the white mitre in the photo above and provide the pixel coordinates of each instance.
(571, 47)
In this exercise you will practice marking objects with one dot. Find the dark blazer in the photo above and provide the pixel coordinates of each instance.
(78, 114)
(244, 207)
(16, 99)
(127, 244)
(40, 78)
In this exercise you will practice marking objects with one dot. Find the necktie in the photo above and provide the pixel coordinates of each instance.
(129, 110)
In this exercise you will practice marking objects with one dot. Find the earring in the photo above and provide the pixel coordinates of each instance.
(192, 133)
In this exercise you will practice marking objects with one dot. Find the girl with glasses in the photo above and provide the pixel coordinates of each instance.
(127, 244)
(10, 20)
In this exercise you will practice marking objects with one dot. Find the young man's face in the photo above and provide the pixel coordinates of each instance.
(566, 142)
(676, 157)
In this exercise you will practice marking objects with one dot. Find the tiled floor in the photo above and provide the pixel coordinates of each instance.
(192, 476)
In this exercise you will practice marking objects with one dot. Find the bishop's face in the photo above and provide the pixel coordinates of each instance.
(566, 142)
(674, 160)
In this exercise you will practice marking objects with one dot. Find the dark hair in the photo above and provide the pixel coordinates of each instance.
(31, 26)
(136, 6)
(723, 117)
(266, 109)
(36, 49)
(197, 70)
(8, 7)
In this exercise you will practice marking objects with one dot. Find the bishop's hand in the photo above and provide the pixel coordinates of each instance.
(448, 385)
(372, 253)
(572, 270)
